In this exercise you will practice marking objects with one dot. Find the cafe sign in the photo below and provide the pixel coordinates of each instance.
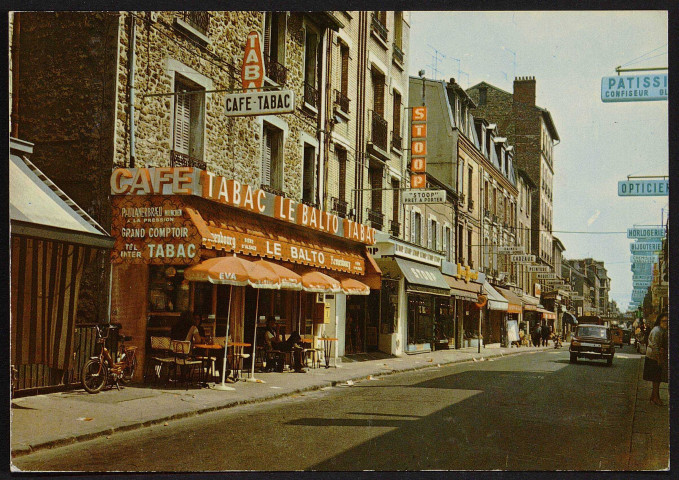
(218, 189)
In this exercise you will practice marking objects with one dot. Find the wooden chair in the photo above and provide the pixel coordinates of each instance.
(161, 356)
(183, 359)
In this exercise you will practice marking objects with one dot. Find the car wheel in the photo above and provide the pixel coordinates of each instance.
(609, 361)
(574, 358)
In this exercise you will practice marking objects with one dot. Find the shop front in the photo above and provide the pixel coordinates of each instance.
(496, 316)
(465, 287)
(531, 315)
(514, 312)
(167, 220)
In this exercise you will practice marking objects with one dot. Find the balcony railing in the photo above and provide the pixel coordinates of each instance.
(276, 71)
(395, 228)
(379, 28)
(342, 101)
(339, 207)
(376, 219)
(311, 95)
(270, 189)
(199, 20)
(310, 203)
(396, 141)
(398, 54)
(379, 131)
(178, 159)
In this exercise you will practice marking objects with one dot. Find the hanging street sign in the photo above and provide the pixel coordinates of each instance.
(645, 246)
(645, 233)
(642, 277)
(418, 148)
(641, 284)
(634, 88)
(260, 103)
(643, 188)
(545, 276)
(424, 196)
(537, 268)
(510, 249)
(577, 297)
(522, 258)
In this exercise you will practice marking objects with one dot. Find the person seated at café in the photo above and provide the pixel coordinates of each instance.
(187, 329)
(274, 342)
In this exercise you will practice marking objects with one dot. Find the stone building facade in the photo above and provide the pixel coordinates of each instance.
(531, 130)
(523, 226)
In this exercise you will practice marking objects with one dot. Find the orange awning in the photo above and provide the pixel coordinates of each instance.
(351, 286)
(321, 283)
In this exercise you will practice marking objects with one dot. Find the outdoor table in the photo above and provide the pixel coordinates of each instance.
(327, 349)
(237, 362)
(207, 347)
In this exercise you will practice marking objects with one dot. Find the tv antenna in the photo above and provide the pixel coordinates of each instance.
(436, 56)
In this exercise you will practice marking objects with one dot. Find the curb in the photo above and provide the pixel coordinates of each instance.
(28, 449)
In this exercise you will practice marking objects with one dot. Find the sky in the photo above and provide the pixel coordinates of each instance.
(601, 143)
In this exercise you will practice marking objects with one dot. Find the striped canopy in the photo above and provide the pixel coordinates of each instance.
(289, 280)
(354, 287)
(233, 271)
(320, 283)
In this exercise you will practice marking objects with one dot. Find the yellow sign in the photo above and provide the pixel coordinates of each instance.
(467, 273)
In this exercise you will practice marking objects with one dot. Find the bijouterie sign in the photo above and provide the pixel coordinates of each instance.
(193, 181)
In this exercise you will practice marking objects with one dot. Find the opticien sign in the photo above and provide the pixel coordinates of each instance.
(643, 188)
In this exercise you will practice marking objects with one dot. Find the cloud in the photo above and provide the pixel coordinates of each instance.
(593, 218)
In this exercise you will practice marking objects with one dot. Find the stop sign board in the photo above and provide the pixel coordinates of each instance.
(252, 72)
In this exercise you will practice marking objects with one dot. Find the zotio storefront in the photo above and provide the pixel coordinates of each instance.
(167, 219)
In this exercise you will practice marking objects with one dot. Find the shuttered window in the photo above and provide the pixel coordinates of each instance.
(272, 161)
(182, 123)
(189, 118)
(430, 233)
(266, 157)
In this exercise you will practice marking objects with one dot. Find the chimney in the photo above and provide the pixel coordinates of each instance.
(524, 90)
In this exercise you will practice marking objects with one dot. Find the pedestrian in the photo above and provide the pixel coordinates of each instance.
(655, 363)
(544, 332)
(536, 335)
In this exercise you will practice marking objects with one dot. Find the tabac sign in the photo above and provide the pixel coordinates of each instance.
(193, 181)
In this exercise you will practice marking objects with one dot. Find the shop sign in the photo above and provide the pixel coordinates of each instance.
(538, 291)
(643, 188)
(642, 277)
(641, 283)
(644, 259)
(193, 181)
(545, 276)
(634, 88)
(645, 246)
(650, 233)
(510, 249)
(537, 268)
(522, 258)
(247, 244)
(153, 230)
(252, 71)
(577, 297)
(424, 196)
(260, 103)
(466, 273)
(418, 148)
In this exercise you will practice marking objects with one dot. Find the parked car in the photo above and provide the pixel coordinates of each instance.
(593, 342)
(627, 336)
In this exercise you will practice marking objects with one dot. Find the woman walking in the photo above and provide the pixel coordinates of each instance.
(655, 364)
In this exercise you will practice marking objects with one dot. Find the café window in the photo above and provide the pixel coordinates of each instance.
(168, 290)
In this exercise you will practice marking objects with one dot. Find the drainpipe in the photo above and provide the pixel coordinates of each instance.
(131, 58)
(15, 74)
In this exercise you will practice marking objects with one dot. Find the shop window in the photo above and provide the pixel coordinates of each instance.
(189, 121)
(168, 291)
(389, 311)
(272, 157)
(308, 178)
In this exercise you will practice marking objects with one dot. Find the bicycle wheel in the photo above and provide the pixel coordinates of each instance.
(128, 371)
(93, 376)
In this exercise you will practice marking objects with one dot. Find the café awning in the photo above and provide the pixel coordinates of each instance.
(468, 291)
(420, 274)
(495, 300)
(318, 282)
(514, 303)
(289, 280)
(351, 286)
(229, 270)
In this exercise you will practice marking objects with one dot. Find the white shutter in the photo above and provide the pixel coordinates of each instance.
(439, 236)
(429, 235)
(266, 157)
(182, 123)
(412, 227)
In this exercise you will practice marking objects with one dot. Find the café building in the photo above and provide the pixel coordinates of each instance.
(168, 219)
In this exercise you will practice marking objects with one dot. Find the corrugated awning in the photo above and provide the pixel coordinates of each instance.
(495, 300)
(463, 290)
(514, 303)
(39, 208)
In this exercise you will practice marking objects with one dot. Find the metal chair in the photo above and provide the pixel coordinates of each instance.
(183, 359)
(161, 356)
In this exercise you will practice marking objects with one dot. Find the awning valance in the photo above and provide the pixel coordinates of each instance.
(546, 314)
(530, 303)
(421, 274)
(468, 291)
(514, 303)
(495, 300)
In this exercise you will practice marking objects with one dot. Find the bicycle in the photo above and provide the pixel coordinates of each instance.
(102, 370)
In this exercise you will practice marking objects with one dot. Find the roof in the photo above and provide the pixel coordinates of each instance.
(488, 85)
(39, 207)
(550, 123)
(559, 244)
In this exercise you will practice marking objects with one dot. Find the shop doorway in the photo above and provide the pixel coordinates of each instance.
(420, 319)
(355, 325)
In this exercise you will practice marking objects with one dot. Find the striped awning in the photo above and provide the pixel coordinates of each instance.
(495, 300)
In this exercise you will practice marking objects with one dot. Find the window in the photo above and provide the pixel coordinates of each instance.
(439, 237)
(342, 159)
(308, 178)
(274, 46)
(396, 208)
(485, 196)
(431, 235)
(446, 242)
(378, 82)
(460, 242)
(189, 120)
(311, 62)
(396, 123)
(343, 93)
(470, 261)
(398, 29)
(416, 228)
(272, 157)
(470, 190)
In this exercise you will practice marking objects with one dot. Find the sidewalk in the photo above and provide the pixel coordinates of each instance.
(51, 420)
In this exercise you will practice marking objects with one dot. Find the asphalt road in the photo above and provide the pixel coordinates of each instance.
(526, 412)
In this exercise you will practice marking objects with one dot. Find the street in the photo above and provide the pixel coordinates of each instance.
(525, 412)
